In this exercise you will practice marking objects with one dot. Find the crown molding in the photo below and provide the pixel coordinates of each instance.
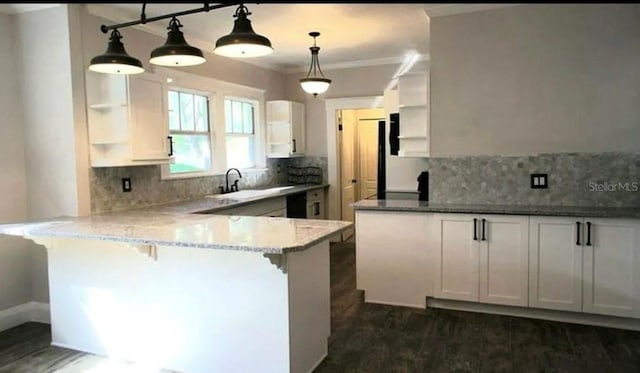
(359, 63)
(440, 10)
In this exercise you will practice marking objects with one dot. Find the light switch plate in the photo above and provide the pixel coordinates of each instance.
(539, 181)
(126, 184)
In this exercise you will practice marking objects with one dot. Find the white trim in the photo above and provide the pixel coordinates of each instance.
(331, 105)
(536, 313)
(26, 312)
(360, 63)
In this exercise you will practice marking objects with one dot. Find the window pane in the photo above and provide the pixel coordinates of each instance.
(247, 118)
(236, 116)
(186, 112)
(201, 113)
(227, 115)
(240, 152)
(192, 153)
(174, 111)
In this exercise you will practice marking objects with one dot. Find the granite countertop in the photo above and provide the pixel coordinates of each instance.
(180, 224)
(207, 205)
(422, 206)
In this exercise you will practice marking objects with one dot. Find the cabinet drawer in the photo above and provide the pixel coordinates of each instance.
(315, 195)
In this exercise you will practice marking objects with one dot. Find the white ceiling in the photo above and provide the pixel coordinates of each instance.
(351, 34)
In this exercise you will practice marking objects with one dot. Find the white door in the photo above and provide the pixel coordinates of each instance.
(555, 263)
(368, 157)
(504, 260)
(456, 253)
(148, 116)
(612, 267)
(349, 192)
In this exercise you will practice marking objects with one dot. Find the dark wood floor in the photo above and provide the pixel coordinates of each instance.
(375, 338)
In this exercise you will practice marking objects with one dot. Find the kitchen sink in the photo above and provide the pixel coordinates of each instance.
(249, 193)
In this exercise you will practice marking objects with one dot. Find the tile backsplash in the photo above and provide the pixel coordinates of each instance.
(148, 189)
(574, 179)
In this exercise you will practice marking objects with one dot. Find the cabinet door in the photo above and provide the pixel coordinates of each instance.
(148, 116)
(298, 142)
(504, 260)
(456, 256)
(612, 267)
(555, 258)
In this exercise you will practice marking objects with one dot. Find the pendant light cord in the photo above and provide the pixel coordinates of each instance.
(315, 63)
(143, 16)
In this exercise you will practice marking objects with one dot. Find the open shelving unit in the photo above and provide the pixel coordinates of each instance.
(413, 97)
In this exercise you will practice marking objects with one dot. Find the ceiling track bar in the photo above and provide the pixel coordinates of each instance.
(143, 19)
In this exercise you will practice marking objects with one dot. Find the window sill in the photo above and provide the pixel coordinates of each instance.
(211, 173)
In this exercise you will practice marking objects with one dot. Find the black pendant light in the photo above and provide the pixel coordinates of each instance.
(116, 60)
(243, 41)
(176, 51)
(315, 84)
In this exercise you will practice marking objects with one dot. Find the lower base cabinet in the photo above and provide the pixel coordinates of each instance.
(391, 257)
(575, 264)
(481, 258)
(589, 265)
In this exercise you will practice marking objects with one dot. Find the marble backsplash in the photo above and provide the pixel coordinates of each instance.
(574, 179)
(149, 189)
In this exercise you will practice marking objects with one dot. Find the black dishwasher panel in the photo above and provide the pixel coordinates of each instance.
(297, 205)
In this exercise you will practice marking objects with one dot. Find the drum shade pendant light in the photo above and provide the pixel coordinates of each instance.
(116, 60)
(315, 84)
(176, 51)
(243, 41)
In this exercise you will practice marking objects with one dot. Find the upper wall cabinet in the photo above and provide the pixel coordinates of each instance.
(285, 129)
(413, 97)
(127, 118)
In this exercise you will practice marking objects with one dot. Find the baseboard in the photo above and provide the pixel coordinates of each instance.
(26, 312)
(536, 313)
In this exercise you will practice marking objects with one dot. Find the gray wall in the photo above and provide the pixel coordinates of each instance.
(14, 252)
(536, 79)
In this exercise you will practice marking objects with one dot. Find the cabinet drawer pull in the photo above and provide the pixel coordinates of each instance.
(294, 145)
(170, 145)
(578, 233)
(475, 231)
(588, 233)
(484, 238)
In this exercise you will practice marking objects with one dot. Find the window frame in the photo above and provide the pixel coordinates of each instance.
(217, 91)
(255, 105)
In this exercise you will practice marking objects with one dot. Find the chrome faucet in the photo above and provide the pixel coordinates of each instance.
(234, 187)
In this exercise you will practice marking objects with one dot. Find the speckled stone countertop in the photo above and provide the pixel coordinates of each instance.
(422, 206)
(179, 224)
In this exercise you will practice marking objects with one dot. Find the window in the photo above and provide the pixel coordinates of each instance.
(190, 131)
(240, 133)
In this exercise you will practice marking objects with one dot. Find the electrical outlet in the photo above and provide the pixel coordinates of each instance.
(539, 181)
(126, 184)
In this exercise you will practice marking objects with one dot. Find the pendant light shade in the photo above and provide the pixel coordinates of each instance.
(243, 41)
(176, 51)
(315, 84)
(116, 60)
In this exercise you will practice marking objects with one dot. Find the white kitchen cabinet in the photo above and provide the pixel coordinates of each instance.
(128, 120)
(392, 257)
(315, 204)
(481, 258)
(286, 135)
(555, 256)
(586, 264)
(413, 99)
(611, 267)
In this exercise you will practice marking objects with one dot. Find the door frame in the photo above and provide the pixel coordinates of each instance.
(331, 105)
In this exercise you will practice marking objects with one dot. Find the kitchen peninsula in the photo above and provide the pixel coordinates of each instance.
(190, 292)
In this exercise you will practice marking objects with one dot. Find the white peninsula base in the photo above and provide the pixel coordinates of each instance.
(190, 309)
